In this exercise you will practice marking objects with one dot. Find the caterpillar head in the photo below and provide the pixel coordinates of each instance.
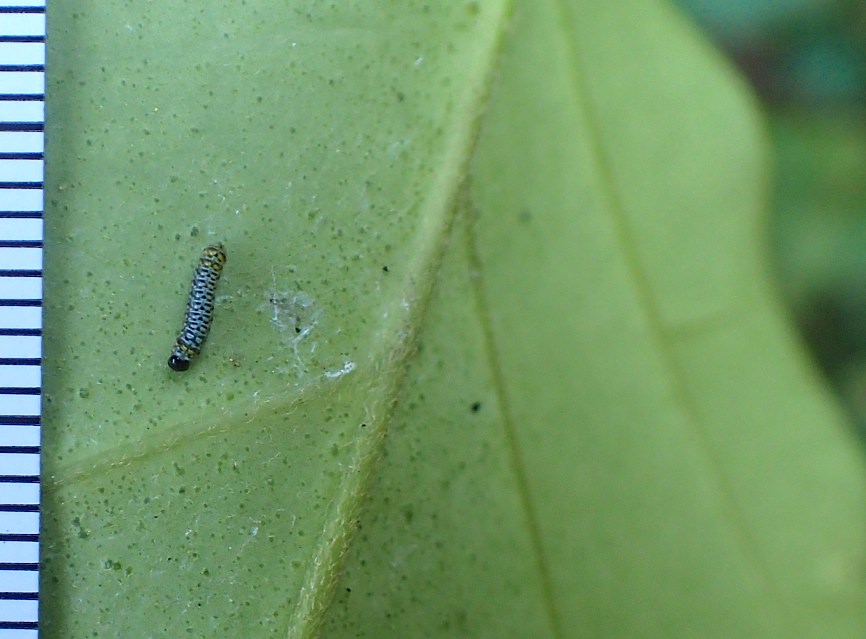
(179, 359)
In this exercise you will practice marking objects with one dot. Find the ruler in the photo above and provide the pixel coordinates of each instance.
(22, 124)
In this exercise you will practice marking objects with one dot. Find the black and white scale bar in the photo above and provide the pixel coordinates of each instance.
(15, 437)
(19, 141)
(19, 491)
(18, 595)
(20, 347)
(22, 82)
(20, 199)
(19, 552)
(20, 168)
(19, 629)
(17, 523)
(22, 39)
(20, 420)
(6, 537)
(24, 450)
(22, 68)
(19, 508)
(19, 243)
(32, 127)
(19, 390)
(22, 7)
(18, 464)
(22, 145)
(17, 257)
(22, 97)
(29, 287)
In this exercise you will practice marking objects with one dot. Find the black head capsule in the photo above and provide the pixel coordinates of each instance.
(199, 308)
(176, 363)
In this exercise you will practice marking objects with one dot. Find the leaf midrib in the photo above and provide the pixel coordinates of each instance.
(439, 209)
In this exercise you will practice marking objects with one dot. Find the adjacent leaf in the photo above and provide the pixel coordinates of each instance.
(597, 426)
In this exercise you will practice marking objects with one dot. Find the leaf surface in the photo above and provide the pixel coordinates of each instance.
(650, 456)
(530, 381)
(322, 144)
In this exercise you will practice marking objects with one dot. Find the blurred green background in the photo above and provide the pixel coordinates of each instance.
(806, 60)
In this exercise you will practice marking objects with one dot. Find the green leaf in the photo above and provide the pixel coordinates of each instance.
(516, 376)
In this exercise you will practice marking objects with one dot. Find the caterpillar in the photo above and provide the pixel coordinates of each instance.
(199, 308)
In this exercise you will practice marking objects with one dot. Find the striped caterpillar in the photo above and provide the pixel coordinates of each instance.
(199, 308)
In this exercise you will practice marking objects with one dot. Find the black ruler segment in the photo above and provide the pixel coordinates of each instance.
(22, 135)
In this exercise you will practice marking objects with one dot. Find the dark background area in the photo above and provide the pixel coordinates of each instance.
(806, 60)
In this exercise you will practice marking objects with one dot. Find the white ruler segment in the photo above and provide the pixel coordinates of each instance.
(22, 126)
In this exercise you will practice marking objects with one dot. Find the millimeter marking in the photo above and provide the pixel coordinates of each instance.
(22, 171)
